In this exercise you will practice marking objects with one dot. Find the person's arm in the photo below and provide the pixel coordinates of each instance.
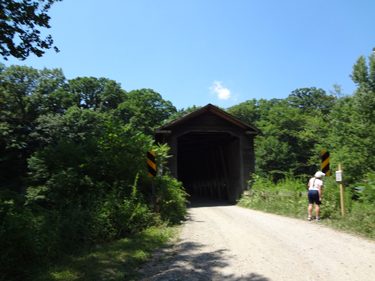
(320, 192)
(308, 184)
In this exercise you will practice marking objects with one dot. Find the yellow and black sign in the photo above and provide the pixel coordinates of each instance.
(325, 163)
(151, 164)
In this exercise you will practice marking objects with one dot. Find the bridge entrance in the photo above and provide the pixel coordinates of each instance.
(212, 152)
(209, 164)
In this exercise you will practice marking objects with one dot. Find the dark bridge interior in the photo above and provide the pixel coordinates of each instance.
(209, 164)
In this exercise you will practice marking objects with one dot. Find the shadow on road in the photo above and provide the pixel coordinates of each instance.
(186, 261)
(201, 202)
(185, 266)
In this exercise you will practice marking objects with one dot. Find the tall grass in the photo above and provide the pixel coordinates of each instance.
(288, 197)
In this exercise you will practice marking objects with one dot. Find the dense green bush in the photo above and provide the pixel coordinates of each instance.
(172, 199)
(75, 152)
(84, 191)
(29, 236)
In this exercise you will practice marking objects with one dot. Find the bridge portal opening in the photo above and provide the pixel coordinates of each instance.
(209, 164)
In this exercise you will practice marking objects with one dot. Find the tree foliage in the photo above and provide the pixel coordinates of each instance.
(352, 128)
(309, 121)
(311, 99)
(145, 110)
(25, 94)
(97, 94)
(289, 129)
(73, 165)
(19, 28)
(180, 113)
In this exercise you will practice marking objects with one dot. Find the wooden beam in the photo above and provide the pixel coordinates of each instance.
(163, 132)
(225, 171)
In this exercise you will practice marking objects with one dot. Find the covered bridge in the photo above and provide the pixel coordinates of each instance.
(213, 152)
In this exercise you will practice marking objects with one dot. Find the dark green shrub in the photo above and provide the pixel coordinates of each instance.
(173, 198)
(84, 191)
(29, 236)
(116, 214)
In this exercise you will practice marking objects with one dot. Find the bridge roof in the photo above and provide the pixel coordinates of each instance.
(213, 109)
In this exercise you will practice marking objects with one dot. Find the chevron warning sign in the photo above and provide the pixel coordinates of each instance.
(151, 164)
(325, 163)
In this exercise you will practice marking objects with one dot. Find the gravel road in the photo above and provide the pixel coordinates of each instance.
(226, 242)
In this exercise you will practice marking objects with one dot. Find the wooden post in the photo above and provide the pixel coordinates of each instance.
(218, 176)
(225, 171)
(342, 195)
(215, 175)
(153, 194)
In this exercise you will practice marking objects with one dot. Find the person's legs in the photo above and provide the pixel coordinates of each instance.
(310, 196)
(309, 209)
(313, 197)
(317, 210)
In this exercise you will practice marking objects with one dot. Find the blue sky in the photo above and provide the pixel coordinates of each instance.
(195, 52)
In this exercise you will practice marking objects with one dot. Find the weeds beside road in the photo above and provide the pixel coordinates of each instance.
(359, 214)
(116, 260)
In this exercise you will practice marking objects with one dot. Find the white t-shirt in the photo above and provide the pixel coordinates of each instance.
(314, 183)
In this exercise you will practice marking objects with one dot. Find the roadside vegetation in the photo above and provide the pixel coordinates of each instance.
(114, 260)
(288, 197)
(73, 169)
(296, 130)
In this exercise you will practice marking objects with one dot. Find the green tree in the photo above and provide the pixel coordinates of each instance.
(337, 92)
(25, 94)
(292, 130)
(273, 156)
(311, 99)
(352, 134)
(144, 110)
(364, 76)
(19, 23)
(282, 134)
(182, 112)
(95, 93)
(253, 111)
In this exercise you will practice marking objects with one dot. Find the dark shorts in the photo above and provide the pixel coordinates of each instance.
(313, 196)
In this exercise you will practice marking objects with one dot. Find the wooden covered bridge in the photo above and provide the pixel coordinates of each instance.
(213, 152)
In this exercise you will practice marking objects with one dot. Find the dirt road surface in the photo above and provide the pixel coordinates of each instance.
(226, 242)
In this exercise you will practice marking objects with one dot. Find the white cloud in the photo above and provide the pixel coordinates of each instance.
(222, 93)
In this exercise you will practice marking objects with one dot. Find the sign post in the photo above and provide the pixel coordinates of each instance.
(339, 178)
(152, 173)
